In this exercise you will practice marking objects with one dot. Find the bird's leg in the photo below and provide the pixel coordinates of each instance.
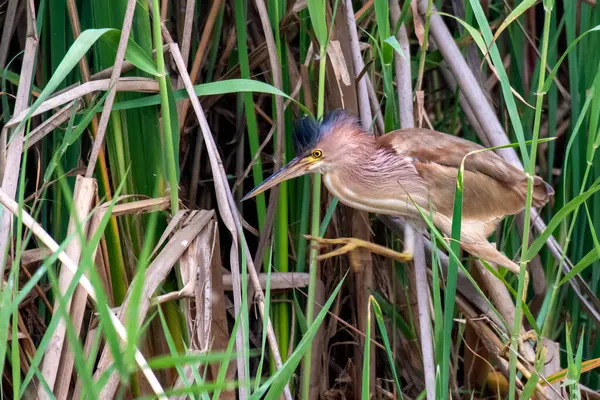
(350, 244)
(530, 335)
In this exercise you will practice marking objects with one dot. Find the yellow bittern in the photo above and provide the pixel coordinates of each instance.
(409, 168)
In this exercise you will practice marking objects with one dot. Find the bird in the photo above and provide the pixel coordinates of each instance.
(407, 173)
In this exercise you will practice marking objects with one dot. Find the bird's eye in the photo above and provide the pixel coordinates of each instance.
(317, 153)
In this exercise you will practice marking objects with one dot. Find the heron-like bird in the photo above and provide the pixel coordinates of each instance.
(399, 172)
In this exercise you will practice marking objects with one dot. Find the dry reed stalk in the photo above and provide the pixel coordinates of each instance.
(500, 297)
(10, 161)
(32, 256)
(199, 57)
(87, 348)
(279, 280)
(141, 206)
(466, 108)
(230, 45)
(552, 366)
(106, 73)
(186, 35)
(7, 31)
(54, 358)
(376, 107)
(114, 78)
(47, 240)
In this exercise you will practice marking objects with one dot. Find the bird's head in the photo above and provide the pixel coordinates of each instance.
(336, 141)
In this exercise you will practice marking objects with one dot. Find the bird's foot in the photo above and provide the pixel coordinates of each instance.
(530, 335)
(350, 244)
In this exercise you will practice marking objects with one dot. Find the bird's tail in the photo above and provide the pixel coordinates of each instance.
(542, 192)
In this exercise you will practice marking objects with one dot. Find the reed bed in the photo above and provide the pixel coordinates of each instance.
(131, 130)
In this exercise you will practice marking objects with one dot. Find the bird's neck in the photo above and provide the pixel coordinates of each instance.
(375, 167)
(359, 152)
(371, 159)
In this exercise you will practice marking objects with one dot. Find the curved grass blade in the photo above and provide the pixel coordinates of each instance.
(513, 16)
(134, 53)
(572, 45)
(386, 342)
(213, 88)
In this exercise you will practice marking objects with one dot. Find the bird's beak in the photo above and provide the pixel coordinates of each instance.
(296, 167)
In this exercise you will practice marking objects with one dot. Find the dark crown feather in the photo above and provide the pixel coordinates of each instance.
(308, 131)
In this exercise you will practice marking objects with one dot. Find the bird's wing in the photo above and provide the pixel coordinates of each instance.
(492, 187)
(428, 146)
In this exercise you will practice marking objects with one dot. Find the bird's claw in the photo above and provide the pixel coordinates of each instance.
(350, 244)
(530, 335)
